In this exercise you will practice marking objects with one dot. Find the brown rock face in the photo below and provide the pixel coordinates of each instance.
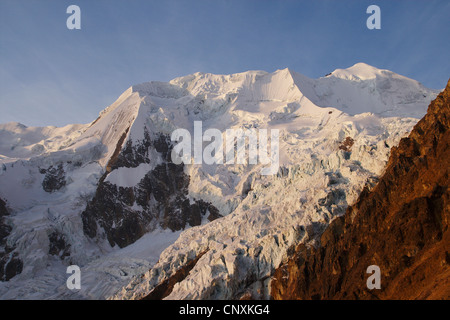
(401, 225)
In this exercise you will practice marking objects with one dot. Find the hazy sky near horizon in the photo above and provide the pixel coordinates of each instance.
(50, 75)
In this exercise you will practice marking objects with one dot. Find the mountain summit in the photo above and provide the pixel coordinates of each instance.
(361, 71)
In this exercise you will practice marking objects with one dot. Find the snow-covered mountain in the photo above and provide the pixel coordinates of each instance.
(106, 196)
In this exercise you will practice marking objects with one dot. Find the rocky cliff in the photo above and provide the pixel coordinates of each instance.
(10, 264)
(125, 214)
(401, 225)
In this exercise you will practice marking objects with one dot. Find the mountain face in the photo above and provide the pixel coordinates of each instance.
(107, 196)
(401, 225)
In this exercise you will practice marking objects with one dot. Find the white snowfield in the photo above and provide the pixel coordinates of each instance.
(264, 216)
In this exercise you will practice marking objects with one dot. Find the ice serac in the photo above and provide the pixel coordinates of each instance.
(107, 197)
(401, 225)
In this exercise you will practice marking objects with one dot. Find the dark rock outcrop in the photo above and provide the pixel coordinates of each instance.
(133, 155)
(54, 178)
(401, 225)
(347, 144)
(165, 288)
(4, 228)
(58, 245)
(125, 214)
(10, 264)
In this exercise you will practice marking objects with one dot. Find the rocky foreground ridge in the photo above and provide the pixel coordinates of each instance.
(401, 225)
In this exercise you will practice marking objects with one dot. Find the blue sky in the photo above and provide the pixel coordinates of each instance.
(50, 75)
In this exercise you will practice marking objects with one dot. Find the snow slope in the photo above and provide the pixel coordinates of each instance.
(263, 215)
